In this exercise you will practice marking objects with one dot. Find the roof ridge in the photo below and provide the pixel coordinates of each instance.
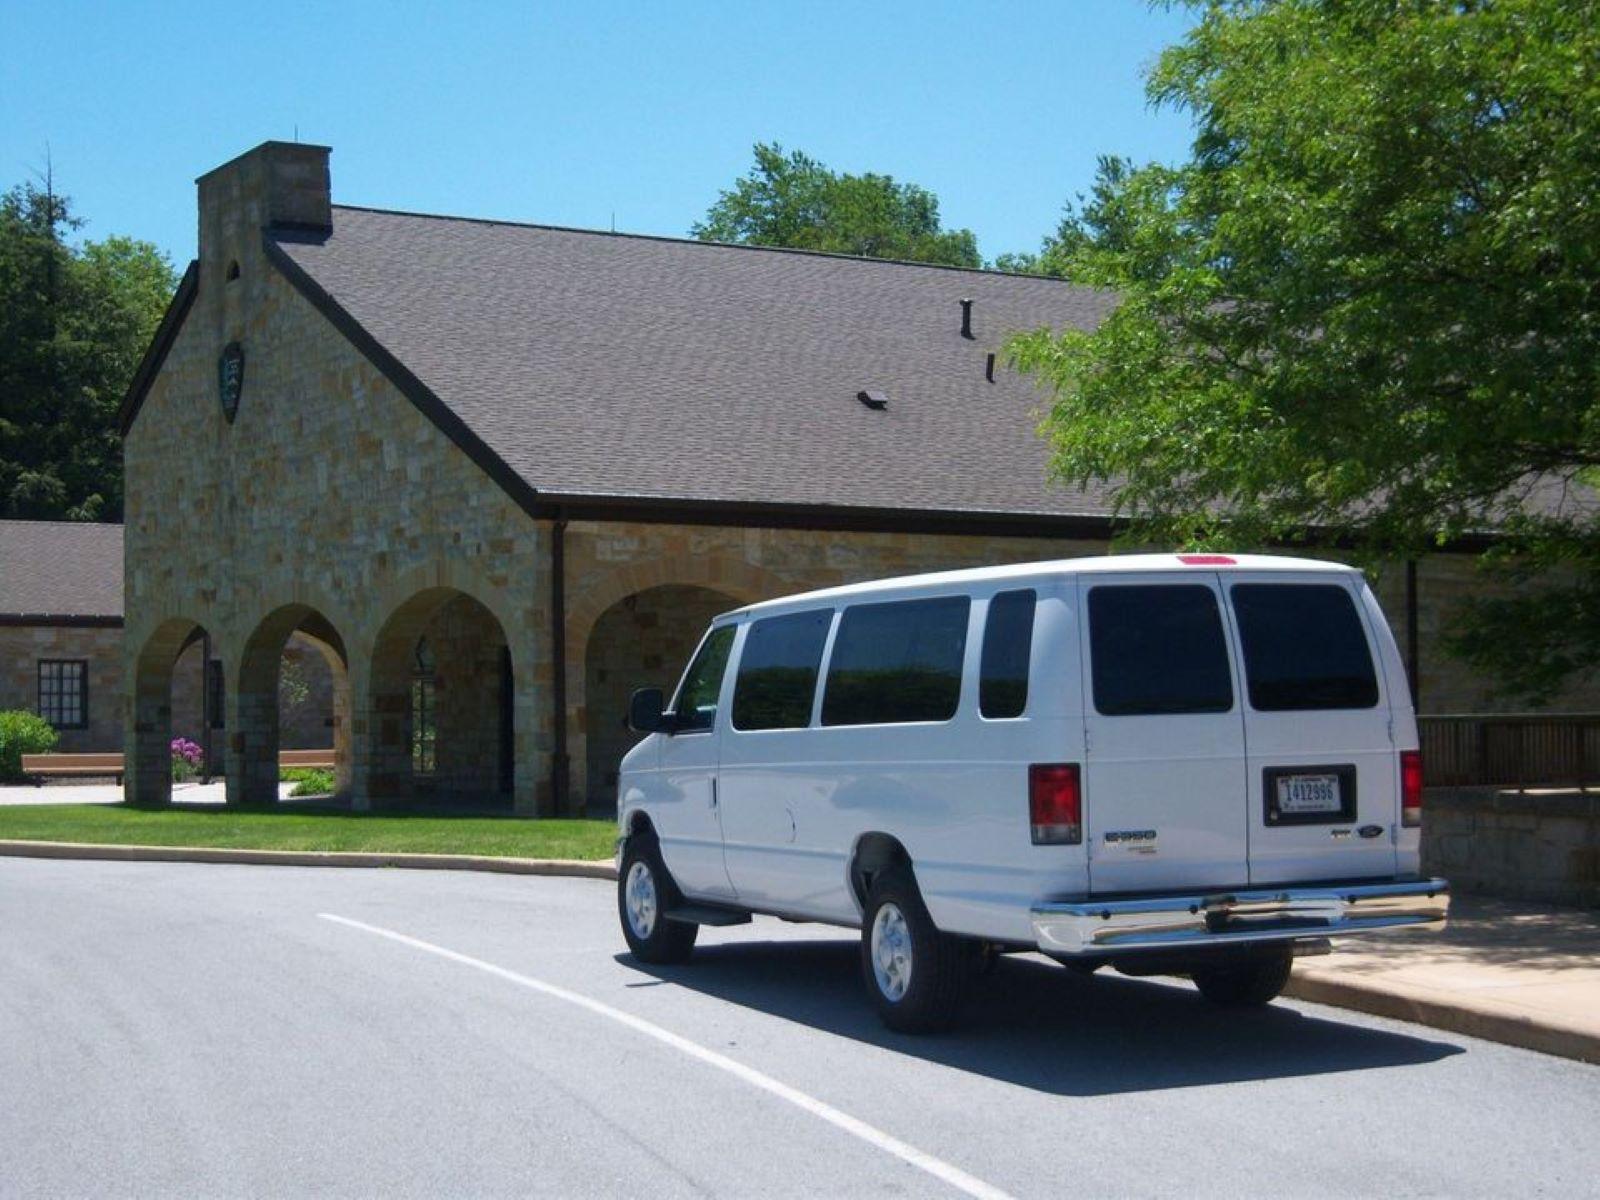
(689, 241)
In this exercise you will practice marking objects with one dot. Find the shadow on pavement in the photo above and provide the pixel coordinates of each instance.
(1037, 1025)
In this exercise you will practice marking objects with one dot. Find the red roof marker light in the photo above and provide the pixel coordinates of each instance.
(1206, 560)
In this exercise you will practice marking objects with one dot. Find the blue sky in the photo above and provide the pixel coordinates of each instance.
(580, 114)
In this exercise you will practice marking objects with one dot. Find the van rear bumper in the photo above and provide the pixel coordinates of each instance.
(1224, 918)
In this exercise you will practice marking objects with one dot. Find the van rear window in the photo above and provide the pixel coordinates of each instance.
(1158, 649)
(897, 662)
(778, 671)
(1304, 647)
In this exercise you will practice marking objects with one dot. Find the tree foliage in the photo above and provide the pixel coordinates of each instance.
(793, 200)
(74, 322)
(1367, 304)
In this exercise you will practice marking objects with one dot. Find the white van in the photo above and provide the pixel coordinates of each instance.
(1194, 764)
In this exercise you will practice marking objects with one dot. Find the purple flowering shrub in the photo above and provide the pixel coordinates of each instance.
(187, 757)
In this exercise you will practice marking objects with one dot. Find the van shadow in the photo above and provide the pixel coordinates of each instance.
(1040, 1026)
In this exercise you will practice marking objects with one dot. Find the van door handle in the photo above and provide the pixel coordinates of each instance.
(713, 793)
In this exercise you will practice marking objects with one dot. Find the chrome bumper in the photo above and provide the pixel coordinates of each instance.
(1271, 914)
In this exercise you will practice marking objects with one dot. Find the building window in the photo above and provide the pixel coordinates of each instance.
(64, 692)
(424, 718)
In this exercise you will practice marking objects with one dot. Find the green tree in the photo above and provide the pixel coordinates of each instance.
(793, 200)
(1368, 304)
(74, 322)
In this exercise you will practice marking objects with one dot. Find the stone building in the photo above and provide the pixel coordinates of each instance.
(61, 647)
(61, 628)
(501, 474)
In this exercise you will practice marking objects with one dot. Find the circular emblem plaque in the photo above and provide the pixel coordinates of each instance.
(230, 378)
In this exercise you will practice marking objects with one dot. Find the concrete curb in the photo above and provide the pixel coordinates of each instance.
(577, 868)
(1421, 1006)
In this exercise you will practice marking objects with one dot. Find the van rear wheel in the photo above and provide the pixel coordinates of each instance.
(917, 977)
(1242, 985)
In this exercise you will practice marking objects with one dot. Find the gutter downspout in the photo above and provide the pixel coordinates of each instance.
(558, 638)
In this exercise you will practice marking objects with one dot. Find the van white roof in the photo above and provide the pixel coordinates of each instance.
(1054, 569)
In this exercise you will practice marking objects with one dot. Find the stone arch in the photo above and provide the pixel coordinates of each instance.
(643, 640)
(256, 735)
(737, 581)
(446, 733)
(148, 767)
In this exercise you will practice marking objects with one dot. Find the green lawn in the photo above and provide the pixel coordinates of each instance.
(290, 830)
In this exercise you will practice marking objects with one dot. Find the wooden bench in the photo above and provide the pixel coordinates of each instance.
(41, 766)
(321, 760)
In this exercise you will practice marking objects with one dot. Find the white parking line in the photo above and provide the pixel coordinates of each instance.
(938, 1168)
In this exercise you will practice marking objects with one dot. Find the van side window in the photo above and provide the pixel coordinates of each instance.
(1007, 645)
(696, 703)
(1158, 649)
(896, 662)
(1304, 648)
(778, 671)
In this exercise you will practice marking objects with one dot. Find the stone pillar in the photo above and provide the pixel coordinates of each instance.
(147, 754)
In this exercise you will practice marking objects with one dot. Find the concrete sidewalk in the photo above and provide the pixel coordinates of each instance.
(111, 793)
(1522, 974)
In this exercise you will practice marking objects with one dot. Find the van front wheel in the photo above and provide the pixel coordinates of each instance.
(644, 893)
(1242, 985)
(915, 975)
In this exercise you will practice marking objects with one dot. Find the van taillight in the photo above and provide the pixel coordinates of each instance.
(1055, 804)
(1411, 787)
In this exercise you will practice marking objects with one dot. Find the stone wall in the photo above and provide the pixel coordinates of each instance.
(21, 648)
(329, 490)
(1541, 845)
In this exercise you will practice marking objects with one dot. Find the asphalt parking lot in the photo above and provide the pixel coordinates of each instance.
(182, 1029)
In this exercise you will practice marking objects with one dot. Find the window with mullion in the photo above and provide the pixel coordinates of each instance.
(64, 692)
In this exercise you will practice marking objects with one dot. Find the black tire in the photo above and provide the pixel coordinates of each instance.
(1244, 985)
(935, 967)
(651, 937)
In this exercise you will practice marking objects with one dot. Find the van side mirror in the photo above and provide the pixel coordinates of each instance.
(644, 711)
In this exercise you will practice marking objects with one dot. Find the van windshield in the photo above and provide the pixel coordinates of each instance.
(1304, 647)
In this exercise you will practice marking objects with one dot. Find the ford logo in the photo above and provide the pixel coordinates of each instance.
(1370, 831)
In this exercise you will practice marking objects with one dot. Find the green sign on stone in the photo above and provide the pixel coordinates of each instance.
(230, 378)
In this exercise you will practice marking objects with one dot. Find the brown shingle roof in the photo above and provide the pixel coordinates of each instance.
(60, 569)
(603, 365)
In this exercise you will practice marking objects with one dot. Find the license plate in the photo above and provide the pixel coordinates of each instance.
(1309, 794)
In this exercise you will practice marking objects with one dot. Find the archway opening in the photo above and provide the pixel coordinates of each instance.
(643, 640)
(443, 704)
(177, 712)
(293, 694)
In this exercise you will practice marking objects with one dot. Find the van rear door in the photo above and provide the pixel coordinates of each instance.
(1323, 771)
(1164, 776)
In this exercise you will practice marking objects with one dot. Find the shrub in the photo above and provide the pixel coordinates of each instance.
(22, 733)
(187, 757)
(308, 781)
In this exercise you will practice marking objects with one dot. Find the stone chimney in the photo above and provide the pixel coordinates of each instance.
(279, 184)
